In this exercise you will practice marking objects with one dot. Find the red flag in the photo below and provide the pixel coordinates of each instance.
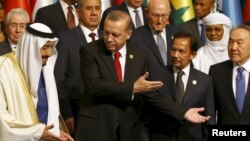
(32, 4)
(246, 12)
(117, 2)
(10, 4)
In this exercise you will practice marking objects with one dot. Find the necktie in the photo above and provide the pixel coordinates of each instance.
(118, 65)
(179, 87)
(92, 36)
(42, 104)
(70, 18)
(240, 88)
(137, 19)
(203, 37)
(162, 48)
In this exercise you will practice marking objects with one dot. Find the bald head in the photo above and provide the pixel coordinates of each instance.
(158, 12)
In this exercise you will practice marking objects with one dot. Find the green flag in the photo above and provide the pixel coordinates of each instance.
(182, 11)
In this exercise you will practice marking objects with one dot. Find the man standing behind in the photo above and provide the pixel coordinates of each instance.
(134, 8)
(186, 86)
(67, 68)
(114, 76)
(195, 26)
(231, 80)
(59, 16)
(29, 108)
(15, 24)
(156, 36)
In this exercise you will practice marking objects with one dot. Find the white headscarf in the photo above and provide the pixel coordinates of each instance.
(214, 51)
(29, 58)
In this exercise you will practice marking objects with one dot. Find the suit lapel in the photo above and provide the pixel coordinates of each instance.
(150, 41)
(247, 98)
(108, 60)
(80, 35)
(190, 86)
(227, 84)
(171, 83)
(60, 18)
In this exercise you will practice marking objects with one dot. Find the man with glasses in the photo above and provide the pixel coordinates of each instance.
(155, 37)
(15, 24)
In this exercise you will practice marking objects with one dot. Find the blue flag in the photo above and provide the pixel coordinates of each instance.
(232, 8)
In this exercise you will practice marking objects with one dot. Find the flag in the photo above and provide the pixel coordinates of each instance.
(36, 4)
(232, 9)
(145, 3)
(117, 2)
(246, 11)
(182, 11)
(10, 4)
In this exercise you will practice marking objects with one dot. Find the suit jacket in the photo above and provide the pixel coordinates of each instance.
(225, 101)
(198, 93)
(143, 38)
(123, 7)
(108, 112)
(67, 70)
(191, 26)
(53, 16)
(5, 47)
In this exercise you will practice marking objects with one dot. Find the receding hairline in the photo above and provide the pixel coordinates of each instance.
(118, 15)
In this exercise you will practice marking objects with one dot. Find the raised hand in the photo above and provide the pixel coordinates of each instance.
(144, 85)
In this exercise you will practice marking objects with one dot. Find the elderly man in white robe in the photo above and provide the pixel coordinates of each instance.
(217, 27)
(29, 108)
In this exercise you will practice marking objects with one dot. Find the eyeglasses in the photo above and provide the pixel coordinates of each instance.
(157, 16)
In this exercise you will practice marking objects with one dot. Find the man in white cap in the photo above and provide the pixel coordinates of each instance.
(29, 108)
(216, 40)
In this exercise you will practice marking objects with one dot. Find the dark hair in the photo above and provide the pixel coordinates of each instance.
(184, 34)
(118, 15)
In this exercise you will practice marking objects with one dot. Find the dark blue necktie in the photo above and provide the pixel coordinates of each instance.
(240, 88)
(42, 104)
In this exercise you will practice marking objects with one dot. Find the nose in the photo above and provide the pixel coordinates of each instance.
(49, 51)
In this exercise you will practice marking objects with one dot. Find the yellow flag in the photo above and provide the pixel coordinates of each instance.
(182, 11)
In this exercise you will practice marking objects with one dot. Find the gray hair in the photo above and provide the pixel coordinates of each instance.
(19, 11)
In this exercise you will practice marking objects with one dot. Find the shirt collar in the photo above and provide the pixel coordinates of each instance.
(186, 70)
(65, 5)
(86, 31)
(123, 51)
(246, 66)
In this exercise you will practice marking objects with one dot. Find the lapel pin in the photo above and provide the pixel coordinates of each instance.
(131, 56)
(194, 82)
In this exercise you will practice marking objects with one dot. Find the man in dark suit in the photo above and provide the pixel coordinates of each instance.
(146, 37)
(201, 8)
(55, 15)
(15, 24)
(197, 91)
(114, 76)
(232, 99)
(128, 6)
(67, 69)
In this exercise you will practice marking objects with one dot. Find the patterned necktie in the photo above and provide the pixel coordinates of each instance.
(240, 88)
(92, 36)
(179, 87)
(70, 18)
(118, 65)
(42, 104)
(137, 19)
(162, 48)
(203, 37)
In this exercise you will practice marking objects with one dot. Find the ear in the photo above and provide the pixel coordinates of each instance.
(193, 54)
(129, 34)
(78, 13)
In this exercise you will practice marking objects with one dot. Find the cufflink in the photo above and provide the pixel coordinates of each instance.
(194, 82)
(131, 56)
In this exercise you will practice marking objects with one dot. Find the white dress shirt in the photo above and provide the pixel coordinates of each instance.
(86, 33)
